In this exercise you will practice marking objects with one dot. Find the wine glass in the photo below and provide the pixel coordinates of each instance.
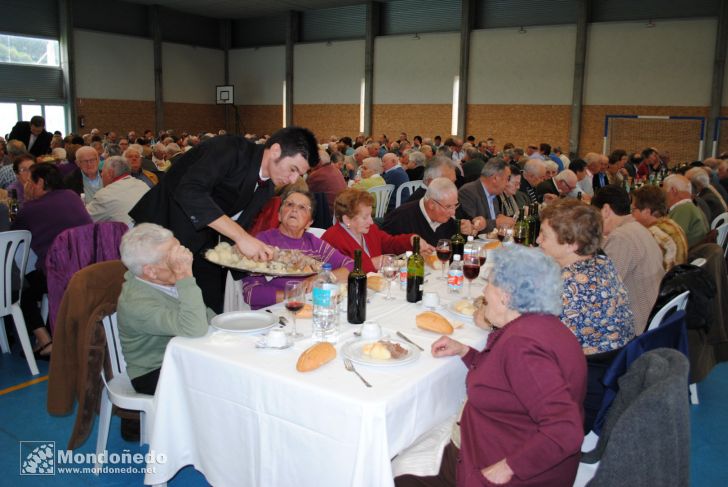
(295, 298)
(389, 270)
(502, 231)
(471, 269)
(443, 255)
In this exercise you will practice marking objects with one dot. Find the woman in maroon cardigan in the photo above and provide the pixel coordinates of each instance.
(522, 422)
(355, 229)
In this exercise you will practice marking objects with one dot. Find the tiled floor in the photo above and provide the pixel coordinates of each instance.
(23, 417)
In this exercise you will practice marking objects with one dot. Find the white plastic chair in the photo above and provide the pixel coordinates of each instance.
(118, 391)
(381, 196)
(9, 243)
(722, 237)
(719, 220)
(411, 186)
(677, 303)
(316, 231)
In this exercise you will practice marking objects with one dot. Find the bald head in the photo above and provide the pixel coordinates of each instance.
(593, 162)
(534, 171)
(389, 161)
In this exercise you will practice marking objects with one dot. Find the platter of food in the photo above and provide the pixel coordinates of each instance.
(384, 352)
(284, 263)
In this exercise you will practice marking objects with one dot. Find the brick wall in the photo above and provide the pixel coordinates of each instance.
(327, 120)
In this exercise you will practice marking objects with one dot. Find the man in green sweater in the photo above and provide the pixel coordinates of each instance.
(159, 300)
(683, 211)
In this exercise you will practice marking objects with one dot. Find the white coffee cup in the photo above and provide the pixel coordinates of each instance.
(371, 330)
(276, 338)
(431, 300)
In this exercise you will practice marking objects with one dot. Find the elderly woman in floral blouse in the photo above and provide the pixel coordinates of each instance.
(596, 304)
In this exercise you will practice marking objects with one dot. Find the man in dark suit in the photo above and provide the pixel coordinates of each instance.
(432, 216)
(393, 174)
(534, 172)
(219, 187)
(480, 197)
(34, 135)
(560, 185)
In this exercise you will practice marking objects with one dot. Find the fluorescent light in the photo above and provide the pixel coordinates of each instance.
(362, 94)
(455, 104)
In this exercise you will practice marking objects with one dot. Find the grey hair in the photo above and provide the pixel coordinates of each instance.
(551, 165)
(679, 182)
(118, 165)
(434, 167)
(113, 149)
(134, 148)
(533, 167)
(59, 154)
(472, 153)
(361, 150)
(172, 149)
(373, 164)
(531, 279)
(495, 165)
(698, 177)
(140, 246)
(438, 188)
(417, 157)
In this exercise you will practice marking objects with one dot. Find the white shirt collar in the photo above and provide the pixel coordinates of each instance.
(433, 224)
(168, 290)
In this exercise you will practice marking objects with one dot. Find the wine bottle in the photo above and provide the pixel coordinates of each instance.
(520, 230)
(534, 224)
(415, 272)
(13, 205)
(457, 242)
(356, 311)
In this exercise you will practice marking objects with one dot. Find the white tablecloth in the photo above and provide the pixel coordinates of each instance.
(245, 416)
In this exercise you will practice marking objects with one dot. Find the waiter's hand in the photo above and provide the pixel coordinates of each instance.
(254, 249)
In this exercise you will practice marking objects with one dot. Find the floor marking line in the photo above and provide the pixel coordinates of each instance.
(23, 385)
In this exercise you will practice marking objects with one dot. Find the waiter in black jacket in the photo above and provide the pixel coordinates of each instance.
(34, 135)
(219, 187)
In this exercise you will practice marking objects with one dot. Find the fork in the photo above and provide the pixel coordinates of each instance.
(350, 367)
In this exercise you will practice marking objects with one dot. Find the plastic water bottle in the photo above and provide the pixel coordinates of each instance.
(403, 272)
(325, 306)
(455, 275)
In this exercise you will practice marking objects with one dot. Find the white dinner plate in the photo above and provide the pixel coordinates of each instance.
(353, 351)
(451, 309)
(243, 321)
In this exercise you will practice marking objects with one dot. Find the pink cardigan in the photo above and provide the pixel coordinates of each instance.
(378, 241)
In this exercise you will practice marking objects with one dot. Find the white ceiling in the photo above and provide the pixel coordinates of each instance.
(238, 9)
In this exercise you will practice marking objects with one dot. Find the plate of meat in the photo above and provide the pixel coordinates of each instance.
(383, 352)
(284, 263)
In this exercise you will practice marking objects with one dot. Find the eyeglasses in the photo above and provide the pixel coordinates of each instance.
(88, 161)
(290, 205)
(569, 188)
(448, 207)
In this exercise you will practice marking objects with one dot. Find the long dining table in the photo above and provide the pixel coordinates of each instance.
(244, 416)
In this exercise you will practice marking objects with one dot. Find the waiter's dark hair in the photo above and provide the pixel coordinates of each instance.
(296, 140)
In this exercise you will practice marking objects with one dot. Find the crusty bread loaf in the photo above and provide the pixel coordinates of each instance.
(432, 261)
(377, 283)
(431, 321)
(315, 356)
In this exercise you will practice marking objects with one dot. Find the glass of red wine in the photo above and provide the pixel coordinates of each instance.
(471, 269)
(443, 255)
(295, 299)
(502, 232)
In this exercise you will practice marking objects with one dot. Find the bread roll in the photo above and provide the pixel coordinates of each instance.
(433, 262)
(315, 356)
(377, 283)
(431, 321)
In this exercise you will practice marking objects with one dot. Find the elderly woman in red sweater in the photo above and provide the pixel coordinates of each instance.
(355, 229)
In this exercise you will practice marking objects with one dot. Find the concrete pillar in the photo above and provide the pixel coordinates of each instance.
(582, 18)
(373, 27)
(292, 37)
(467, 20)
(716, 92)
(65, 21)
(155, 30)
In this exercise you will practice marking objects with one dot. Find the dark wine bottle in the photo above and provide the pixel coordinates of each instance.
(457, 242)
(415, 272)
(13, 205)
(534, 224)
(356, 311)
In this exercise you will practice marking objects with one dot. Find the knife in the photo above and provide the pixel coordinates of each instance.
(402, 336)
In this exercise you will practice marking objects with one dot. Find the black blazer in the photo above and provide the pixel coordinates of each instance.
(546, 187)
(42, 144)
(217, 177)
(408, 218)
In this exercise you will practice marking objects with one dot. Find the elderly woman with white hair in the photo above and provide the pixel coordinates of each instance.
(522, 422)
(159, 300)
(134, 155)
(700, 180)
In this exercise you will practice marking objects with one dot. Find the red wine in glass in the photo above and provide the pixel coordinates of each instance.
(294, 306)
(471, 271)
(443, 255)
(501, 236)
(482, 260)
(519, 239)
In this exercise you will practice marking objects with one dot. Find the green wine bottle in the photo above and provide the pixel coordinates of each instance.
(415, 272)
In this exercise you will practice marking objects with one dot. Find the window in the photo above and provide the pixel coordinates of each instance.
(29, 50)
(10, 113)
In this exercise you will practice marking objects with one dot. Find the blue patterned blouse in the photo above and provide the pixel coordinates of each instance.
(596, 305)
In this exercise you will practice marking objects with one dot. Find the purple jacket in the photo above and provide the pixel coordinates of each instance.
(73, 250)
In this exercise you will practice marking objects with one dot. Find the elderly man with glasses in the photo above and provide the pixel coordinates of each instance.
(557, 187)
(432, 216)
(85, 180)
(479, 198)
